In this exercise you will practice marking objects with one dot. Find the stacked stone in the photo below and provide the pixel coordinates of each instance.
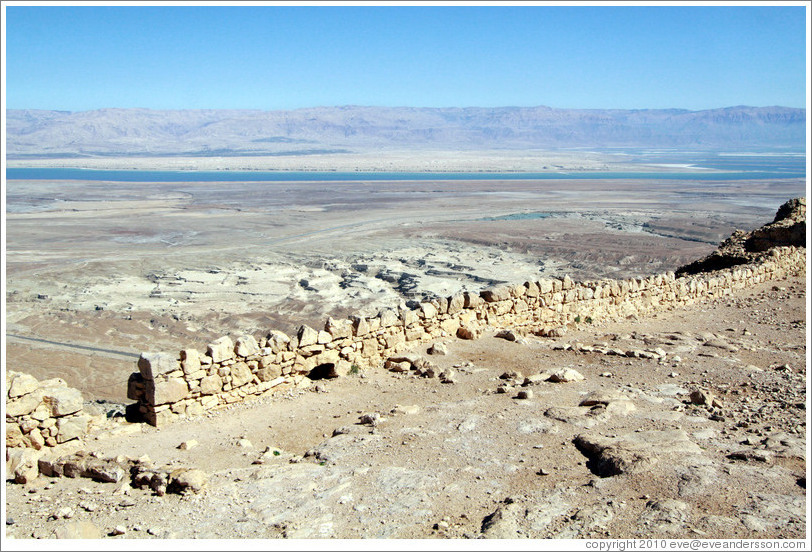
(188, 384)
(42, 413)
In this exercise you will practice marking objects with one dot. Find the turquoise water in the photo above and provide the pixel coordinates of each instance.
(790, 171)
(520, 216)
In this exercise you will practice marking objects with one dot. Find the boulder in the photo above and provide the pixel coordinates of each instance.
(278, 341)
(62, 400)
(73, 427)
(221, 349)
(154, 364)
(246, 346)
(22, 464)
(437, 349)
(339, 329)
(499, 293)
(456, 303)
(307, 336)
(393, 366)
(566, 375)
(24, 404)
(465, 332)
(21, 384)
(388, 318)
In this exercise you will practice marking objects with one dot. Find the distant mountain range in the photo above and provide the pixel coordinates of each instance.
(145, 132)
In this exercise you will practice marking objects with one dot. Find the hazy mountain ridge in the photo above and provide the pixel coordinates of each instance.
(303, 131)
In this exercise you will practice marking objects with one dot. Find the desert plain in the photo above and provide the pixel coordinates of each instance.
(98, 272)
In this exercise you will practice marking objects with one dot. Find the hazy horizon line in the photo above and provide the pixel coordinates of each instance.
(345, 106)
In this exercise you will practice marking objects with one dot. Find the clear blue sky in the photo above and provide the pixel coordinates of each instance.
(271, 57)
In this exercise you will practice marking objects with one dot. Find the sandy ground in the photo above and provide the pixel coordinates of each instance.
(462, 460)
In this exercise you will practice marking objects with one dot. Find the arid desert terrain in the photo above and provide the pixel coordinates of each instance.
(98, 272)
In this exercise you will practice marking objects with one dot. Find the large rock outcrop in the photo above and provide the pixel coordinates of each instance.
(787, 229)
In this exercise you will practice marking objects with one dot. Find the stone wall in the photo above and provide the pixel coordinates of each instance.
(42, 413)
(168, 386)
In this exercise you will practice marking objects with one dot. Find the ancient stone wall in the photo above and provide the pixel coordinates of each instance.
(42, 413)
(168, 386)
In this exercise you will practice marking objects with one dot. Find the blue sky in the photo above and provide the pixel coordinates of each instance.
(272, 57)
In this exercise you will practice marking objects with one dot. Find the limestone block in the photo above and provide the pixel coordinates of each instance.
(472, 300)
(246, 346)
(388, 318)
(532, 289)
(190, 361)
(517, 290)
(567, 283)
(165, 392)
(73, 427)
(409, 317)
(360, 326)
(186, 480)
(22, 464)
(62, 400)
(520, 305)
(269, 372)
(450, 326)
(324, 338)
(221, 349)
(27, 424)
(24, 405)
(393, 366)
(22, 384)
(499, 293)
(307, 336)
(195, 409)
(14, 436)
(395, 340)
(240, 374)
(152, 365)
(339, 329)
(428, 311)
(414, 334)
(456, 303)
(465, 332)
(310, 350)
(370, 347)
(36, 439)
(278, 341)
(327, 357)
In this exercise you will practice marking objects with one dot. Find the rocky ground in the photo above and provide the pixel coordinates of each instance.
(708, 443)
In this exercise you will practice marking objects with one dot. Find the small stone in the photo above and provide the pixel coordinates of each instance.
(88, 506)
(372, 419)
(606, 374)
(447, 376)
(508, 335)
(698, 396)
(525, 394)
(186, 445)
(119, 530)
(245, 443)
(673, 375)
(542, 471)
